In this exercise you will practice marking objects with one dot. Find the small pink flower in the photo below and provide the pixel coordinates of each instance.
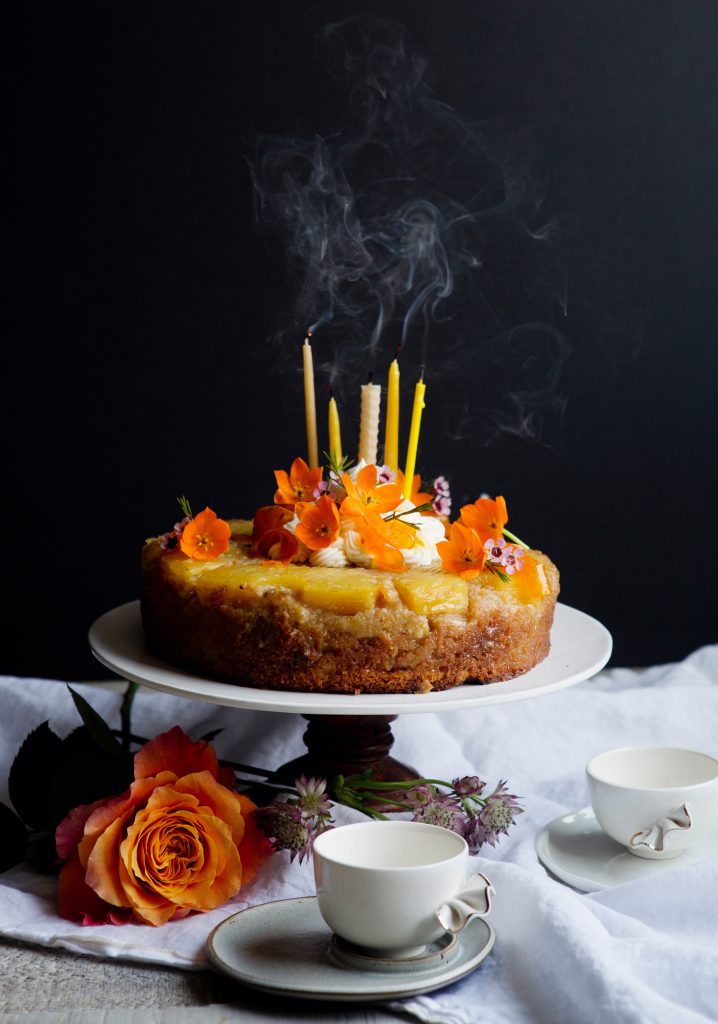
(170, 540)
(385, 475)
(442, 497)
(494, 548)
(513, 559)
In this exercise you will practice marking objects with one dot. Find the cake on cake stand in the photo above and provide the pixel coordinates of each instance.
(350, 733)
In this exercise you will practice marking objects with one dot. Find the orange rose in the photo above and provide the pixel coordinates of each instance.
(177, 840)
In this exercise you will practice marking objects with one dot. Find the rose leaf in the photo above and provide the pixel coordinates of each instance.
(14, 839)
(96, 725)
(28, 784)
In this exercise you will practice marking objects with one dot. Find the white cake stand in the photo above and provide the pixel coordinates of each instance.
(348, 733)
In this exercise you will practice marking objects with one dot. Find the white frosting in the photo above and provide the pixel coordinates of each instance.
(424, 553)
(354, 548)
(331, 557)
(348, 548)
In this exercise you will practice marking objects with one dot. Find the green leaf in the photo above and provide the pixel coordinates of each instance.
(42, 853)
(96, 725)
(83, 776)
(28, 780)
(209, 736)
(13, 848)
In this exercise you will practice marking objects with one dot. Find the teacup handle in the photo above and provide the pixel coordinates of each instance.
(658, 836)
(473, 899)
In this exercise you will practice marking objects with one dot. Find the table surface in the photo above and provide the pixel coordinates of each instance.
(58, 987)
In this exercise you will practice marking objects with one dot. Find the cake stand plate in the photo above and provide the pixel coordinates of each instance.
(580, 647)
(350, 733)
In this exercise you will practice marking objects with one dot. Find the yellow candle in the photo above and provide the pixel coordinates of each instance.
(410, 466)
(310, 406)
(335, 436)
(391, 439)
(369, 422)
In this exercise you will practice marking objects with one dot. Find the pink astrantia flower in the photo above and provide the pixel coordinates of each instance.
(292, 823)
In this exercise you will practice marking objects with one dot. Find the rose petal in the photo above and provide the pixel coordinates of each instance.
(174, 751)
(225, 803)
(71, 829)
(76, 901)
(121, 807)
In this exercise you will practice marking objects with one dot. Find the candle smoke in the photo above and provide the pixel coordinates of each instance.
(414, 225)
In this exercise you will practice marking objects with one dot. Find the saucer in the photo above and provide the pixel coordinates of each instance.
(435, 954)
(284, 948)
(576, 850)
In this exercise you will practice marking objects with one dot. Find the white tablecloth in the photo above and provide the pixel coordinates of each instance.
(642, 951)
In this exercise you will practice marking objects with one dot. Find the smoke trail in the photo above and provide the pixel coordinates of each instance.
(412, 224)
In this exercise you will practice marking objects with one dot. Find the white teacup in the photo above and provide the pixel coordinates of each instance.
(655, 801)
(391, 887)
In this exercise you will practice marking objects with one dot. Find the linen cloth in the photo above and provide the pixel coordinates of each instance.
(644, 950)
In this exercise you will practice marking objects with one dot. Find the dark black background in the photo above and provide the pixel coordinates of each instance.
(142, 294)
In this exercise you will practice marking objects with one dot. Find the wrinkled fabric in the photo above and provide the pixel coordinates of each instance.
(644, 950)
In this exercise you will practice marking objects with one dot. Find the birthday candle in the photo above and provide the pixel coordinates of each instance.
(335, 436)
(310, 405)
(391, 439)
(369, 423)
(410, 466)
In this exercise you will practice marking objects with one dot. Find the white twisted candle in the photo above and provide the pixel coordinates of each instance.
(369, 423)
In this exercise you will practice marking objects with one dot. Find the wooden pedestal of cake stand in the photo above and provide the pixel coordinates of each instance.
(348, 745)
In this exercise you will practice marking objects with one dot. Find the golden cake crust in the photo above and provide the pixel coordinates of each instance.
(278, 628)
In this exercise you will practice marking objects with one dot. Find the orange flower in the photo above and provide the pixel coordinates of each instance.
(269, 538)
(485, 516)
(205, 537)
(177, 840)
(463, 553)
(298, 485)
(365, 494)
(276, 546)
(269, 517)
(318, 523)
(384, 555)
(380, 538)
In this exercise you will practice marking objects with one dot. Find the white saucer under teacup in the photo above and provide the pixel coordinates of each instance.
(395, 915)
(285, 948)
(576, 850)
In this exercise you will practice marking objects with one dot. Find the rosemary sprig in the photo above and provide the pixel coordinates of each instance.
(337, 465)
(185, 506)
(426, 507)
(498, 572)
